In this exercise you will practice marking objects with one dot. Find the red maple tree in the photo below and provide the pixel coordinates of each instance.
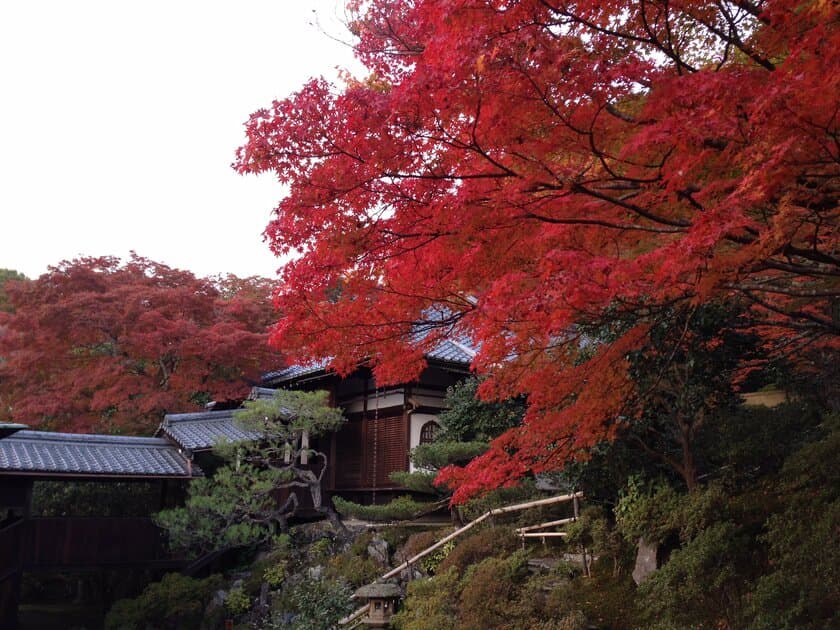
(97, 344)
(524, 171)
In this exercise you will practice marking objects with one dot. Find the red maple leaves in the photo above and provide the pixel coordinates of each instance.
(100, 345)
(539, 168)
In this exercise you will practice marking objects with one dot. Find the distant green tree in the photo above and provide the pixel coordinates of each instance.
(238, 505)
(802, 588)
(7, 275)
(469, 419)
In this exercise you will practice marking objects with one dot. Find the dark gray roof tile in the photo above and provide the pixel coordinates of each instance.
(455, 350)
(83, 454)
(201, 431)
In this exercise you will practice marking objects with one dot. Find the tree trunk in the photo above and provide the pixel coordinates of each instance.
(688, 470)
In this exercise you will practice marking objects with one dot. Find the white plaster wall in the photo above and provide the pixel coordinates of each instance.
(417, 422)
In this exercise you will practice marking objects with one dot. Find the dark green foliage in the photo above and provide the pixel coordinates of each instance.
(315, 604)
(746, 443)
(475, 547)
(400, 509)
(439, 454)
(95, 498)
(802, 589)
(469, 419)
(595, 531)
(7, 275)
(604, 601)
(352, 569)
(176, 602)
(271, 568)
(488, 590)
(419, 481)
(430, 604)
(684, 379)
(525, 491)
(703, 582)
(234, 508)
(238, 506)
(657, 511)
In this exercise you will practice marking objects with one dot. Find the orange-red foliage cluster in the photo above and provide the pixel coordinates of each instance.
(519, 170)
(100, 345)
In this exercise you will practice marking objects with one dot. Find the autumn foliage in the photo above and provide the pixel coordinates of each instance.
(530, 172)
(97, 344)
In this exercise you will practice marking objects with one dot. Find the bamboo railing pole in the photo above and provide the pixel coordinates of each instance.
(458, 532)
(530, 528)
(503, 510)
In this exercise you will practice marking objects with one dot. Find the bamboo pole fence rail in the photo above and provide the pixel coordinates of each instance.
(574, 497)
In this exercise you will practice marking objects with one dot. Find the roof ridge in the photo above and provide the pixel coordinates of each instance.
(219, 414)
(89, 438)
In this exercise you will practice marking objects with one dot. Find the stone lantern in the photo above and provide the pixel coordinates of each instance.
(382, 601)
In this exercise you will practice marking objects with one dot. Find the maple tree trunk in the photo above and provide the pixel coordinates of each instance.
(688, 470)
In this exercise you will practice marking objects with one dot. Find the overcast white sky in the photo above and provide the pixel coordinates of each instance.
(119, 121)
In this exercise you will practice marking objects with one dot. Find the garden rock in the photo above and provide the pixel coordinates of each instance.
(646, 562)
(315, 572)
(379, 550)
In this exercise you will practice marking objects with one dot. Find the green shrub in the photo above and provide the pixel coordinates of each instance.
(237, 602)
(525, 491)
(174, 602)
(419, 541)
(400, 509)
(488, 590)
(594, 531)
(418, 481)
(275, 575)
(439, 454)
(647, 511)
(604, 601)
(803, 588)
(431, 562)
(320, 550)
(316, 604)
(703, 582)
(353, 568)
(477, 546)
(430, 604)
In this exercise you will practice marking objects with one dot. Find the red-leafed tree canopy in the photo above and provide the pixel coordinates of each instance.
(97, 344)
(525, 171)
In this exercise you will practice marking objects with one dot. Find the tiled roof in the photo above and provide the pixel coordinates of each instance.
(261, 393)
(200, 431)
(456, 350)
(295, 371)
(453, 351)
(71, 454)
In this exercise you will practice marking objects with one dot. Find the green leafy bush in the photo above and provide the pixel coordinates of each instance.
(315, 604)
(418, 481)
(470, 419)
(802, 589)
(237, 602)
(400, 509)
(488, 590)
(477, 546)
(431, 562)
(439, 454)
(525, 491)
(176, 602)
(594, 531)
(647, 511)
(430, 604)
(274, 575)
(703, 583)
